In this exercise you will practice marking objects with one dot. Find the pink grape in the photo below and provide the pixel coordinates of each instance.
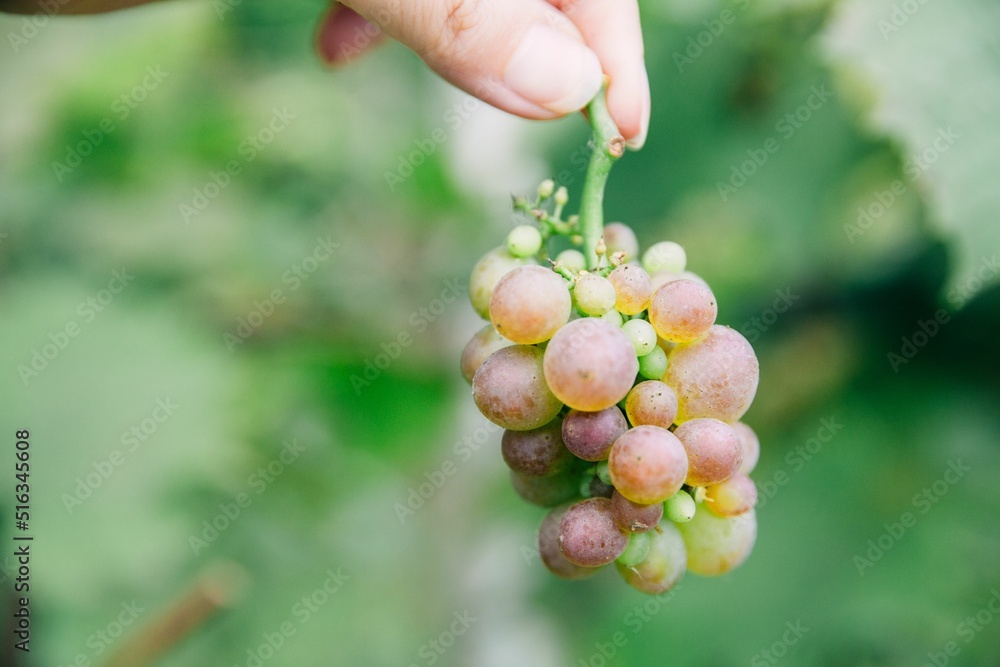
(713, 451)
(550, 553)
(590, 364)
(651, 402)
(487, 273)
(633, 517)
(682, 311)
(536, 453)
(619, 237)
(751, 447)
(733, 497)
(529, 304)
(715, 376)
(664, 565)
(588, 535)
(510, 390)
(648, 464)
(486, 341)
(589, 435)
(716, 545)
(632, 288)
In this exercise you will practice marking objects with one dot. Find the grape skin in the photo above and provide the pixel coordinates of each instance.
(648, 464)
(713, 451)
(529, 304)
(664, 565)
(651, 402)
(751, 447)
(715, 376)
(632, 287)
(588, 535)
(510, 390)
(594, 294)
(642, 335)
(536, 453)
(546, 491)
(682, 311)
(664, 256)
(636, 551)
(589, 435)
(486, 341)
(653, 366)
(550, 553)
(590, 364)
(487, 272)
(680, 507)
(619, 237)
(633, 517)
(716, 545)
(733, 497)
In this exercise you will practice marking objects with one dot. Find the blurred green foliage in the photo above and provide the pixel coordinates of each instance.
(309, 369)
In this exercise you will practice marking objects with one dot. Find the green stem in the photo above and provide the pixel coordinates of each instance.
(608, 147)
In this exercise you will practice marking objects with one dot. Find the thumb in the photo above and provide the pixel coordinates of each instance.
(523, 56)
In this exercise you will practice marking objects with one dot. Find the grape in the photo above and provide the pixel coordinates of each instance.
(546, 491)
(636, 551)
(486, 274)
(595, 295)
(614, 317)
(524, 241)
(590, 364)
(689, 275)
(680, 507)
(664, 256)
(651, 402)
(633, 517)
(594, 487)
(733, 497)
(510, 390)
(713, 450)
(682, 311)
(536, 453)
(632, 287)
(588, 535)
(619, 237)
(750, 445)
(715, 376)
(663, 566)
(602, 471)
(486, 341)
(642, 335)
(653, 365)
(716, 545)
(589, 435)
(572, 260)
(548, 548)
(661, 278)
(529, 304)
(648, 464)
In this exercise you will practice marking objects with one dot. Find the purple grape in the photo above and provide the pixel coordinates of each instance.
(588, 535)
(589, 435)
(536, 453)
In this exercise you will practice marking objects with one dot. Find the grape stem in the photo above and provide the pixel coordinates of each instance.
(608, 146)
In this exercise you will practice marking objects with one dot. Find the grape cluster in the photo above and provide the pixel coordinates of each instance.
(620, 397)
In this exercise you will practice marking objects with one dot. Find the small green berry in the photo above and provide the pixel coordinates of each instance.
(680, 507)
(664, 256)
(572, 260)
(636, 551)
(603, 472)
(643, 336)
(524, 241)
(546, 188)
(562, 196)
(653, 366)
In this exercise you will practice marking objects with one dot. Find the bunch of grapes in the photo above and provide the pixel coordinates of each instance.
(620, 397)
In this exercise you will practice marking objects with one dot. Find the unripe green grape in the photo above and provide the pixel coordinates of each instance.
(546, 188)
(643, 336)
(680, 507)
(603, 473)
(530, 304)
(750, 444)
(524, 241)
(635, 517)
(636, 551)
(487, 272)
(594, 294)
(651, 402)
(716, 545)
(648, 464)
(713, 451)
(548, 548)
(653, 365)
(510, 390)
(663, 566)
(590, 365)
(619, 237)
(588, 535)
(664, 256)
(591, 486)
(632, 288)
(715, 376)
(486, 341)
(572, 259)
(614, 317)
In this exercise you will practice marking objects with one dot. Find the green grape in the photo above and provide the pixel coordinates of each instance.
(589, 435)
(529, 304)
(590, 364)
(653, 365)
(737, 495)
(524, 241)
(545, 189)
(634, 517)
(715, 376)
(713, 451)
(642, 335)
(572, 259)
(510, 390)
(750, 444)
(548, 548)
(602, 470)
(619, 237)
(487, 272)
(632, 289)
(486, 341)
(636, 551)
(588, 535)
(614, 317)
(663, 566)
(651, 402)
(682, 311)
(536, 453)
(664, 256)
(648, 464)
(680, 507)
(716, 545)
(594, 294)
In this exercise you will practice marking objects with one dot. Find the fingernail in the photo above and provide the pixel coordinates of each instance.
(553, 70)
(639, 140)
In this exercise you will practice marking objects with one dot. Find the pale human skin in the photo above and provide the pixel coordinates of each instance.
(538, 59)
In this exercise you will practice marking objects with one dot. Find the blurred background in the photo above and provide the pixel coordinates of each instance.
(232, 288)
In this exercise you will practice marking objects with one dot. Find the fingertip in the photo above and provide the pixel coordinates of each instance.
(630, 106)
(343, 35)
